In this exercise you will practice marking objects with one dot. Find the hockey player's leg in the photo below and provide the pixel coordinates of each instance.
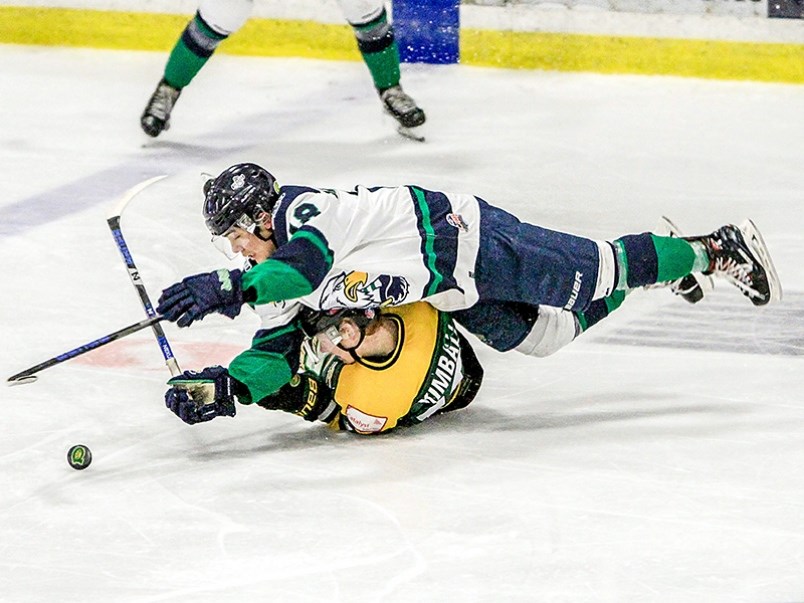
(600, 309)
(737, 254)
(554, 328)
(376, 42)
(691, 288)
(500, 325)
(213, 23)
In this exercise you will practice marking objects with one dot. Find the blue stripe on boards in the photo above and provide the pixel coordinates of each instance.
(233, 137)
(51, 205)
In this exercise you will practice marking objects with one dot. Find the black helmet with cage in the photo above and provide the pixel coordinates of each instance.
(327, 322)
(239, 196)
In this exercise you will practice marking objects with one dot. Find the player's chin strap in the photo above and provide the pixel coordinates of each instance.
(379, 363)
(271, 238)
(351, 351)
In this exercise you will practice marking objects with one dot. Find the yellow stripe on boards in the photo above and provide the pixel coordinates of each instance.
(146, 31)
(765, 62)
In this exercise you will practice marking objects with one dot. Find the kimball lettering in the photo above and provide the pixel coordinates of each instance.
(447, 366)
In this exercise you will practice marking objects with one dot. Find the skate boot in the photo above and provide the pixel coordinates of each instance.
(693, 287)
(739, 255)
(403, 109)
(156, 116)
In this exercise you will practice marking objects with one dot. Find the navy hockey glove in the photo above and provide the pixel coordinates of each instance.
(196, 397)
(201, 294)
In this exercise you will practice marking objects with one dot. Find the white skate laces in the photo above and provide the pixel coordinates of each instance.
(738, 274)
(739, 255)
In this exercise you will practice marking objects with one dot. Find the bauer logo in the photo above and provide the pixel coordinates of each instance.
(576, 289)
(238, 182)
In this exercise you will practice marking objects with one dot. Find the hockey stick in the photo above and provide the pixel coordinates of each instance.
(28, 375)
(113, 221)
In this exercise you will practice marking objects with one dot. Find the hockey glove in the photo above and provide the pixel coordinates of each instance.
(314, 361)
(202, 294)
(196, 397)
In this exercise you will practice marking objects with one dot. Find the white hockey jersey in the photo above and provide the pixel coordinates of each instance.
(370, 247)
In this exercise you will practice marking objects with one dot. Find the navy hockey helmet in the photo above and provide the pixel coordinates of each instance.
(239, 196)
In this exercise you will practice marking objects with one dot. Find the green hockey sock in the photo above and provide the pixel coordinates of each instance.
(182, 66)
(376, 43)
(676, 258)
(646, 259)
(192, 51)
(384, 67)
(600, 309)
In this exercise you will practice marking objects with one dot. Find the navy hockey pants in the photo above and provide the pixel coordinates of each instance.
(520, 266)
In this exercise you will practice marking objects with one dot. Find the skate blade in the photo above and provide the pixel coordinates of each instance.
(758, 246)
(414, 134)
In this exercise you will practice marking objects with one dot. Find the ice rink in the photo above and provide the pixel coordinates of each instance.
(658, 458)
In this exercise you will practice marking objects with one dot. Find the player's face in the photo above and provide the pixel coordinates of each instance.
(334, 340)
(245, 242)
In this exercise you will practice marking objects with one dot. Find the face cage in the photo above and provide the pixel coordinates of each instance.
(222, 242)
(333, 335)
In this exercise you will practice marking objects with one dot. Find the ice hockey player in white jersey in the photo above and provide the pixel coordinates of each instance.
(216, 20)
(514, 285)
(367, 369)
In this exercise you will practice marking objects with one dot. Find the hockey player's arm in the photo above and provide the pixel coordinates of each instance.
(268, 364)
(304, 396)
(296, 269)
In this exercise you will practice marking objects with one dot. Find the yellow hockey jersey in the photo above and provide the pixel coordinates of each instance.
(432, 369)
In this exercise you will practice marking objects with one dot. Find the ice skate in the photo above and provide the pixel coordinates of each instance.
(156, 117)
(693, 287)
(404, 110)
(739, 255)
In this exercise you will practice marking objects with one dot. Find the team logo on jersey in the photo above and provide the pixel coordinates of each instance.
(457, 221)
(357, 290)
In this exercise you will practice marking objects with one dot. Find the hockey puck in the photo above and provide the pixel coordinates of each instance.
(79, 457)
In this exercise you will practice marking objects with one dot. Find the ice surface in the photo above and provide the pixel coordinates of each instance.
(659, 458)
